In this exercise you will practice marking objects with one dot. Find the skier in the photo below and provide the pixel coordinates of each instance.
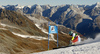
(75, 38)
(70, 33)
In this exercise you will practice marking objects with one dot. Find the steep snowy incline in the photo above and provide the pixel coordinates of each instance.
(93, 48)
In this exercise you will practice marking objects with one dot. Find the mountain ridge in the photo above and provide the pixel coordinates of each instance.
(71, 16)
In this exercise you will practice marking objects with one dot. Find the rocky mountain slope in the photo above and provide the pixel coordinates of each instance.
(24, 34)
(82, 18)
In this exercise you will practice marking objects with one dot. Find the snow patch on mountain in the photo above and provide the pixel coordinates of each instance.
(45, 7)
(1, 7)
(38, 21)
(29, 6)
(43, 30)
(3, 28)
(97, 4)
(29, 36)
(19, 6)
(63, 33)
(5, 25)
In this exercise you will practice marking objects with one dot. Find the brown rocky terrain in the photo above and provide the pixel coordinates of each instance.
(12, 24)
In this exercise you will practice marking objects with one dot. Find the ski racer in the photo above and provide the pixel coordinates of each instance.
(75, 38)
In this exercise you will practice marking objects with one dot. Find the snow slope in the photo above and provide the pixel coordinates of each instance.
(93, 48)
(89, 46)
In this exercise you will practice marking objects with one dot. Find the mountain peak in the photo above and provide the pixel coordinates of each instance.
(97, 4)
(17, 5)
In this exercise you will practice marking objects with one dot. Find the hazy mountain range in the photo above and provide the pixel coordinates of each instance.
(82, 18)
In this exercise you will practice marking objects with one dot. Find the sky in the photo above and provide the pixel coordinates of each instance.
(50, 2)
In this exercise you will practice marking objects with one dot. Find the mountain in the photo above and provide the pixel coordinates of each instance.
(28, 33)
(82, 18)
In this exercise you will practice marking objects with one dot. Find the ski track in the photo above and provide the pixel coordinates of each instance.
(92, 48)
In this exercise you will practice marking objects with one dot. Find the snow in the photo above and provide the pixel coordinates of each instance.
(19, 6)
(43, 30)
(97, 4)
(1, 7)
(90, 46)
(90, 40)
(93, 48)
(46, 6)
(63, 33)
(5, 25)
(29, 6)
(38, 21)
(38, 6)
(2, 53)
(3, 28)
(29, 36)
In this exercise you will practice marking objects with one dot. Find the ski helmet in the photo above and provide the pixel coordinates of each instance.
(70, 33)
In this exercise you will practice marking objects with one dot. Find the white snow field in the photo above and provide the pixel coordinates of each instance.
(89, 46)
